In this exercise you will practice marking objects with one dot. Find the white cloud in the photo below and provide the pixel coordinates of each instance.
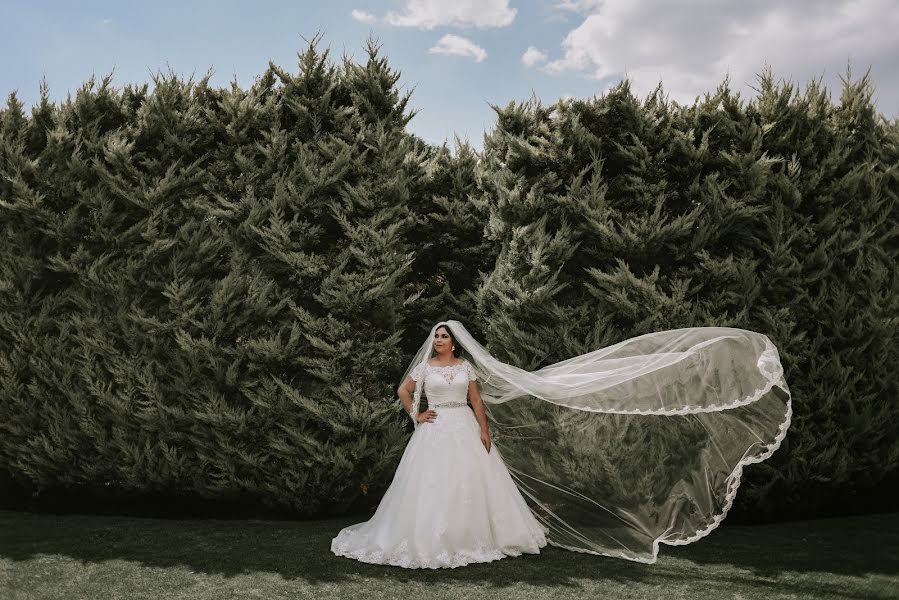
(428, 14)
(690, 48)
(454, 45)
(363, 17)
(532, 56)
(579, 6)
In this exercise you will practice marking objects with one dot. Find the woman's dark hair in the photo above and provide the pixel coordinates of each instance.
(458, 351)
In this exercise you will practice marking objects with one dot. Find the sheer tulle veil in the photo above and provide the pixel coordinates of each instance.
(636, 444)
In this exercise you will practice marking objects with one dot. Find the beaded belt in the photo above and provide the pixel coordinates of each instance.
(449, 405)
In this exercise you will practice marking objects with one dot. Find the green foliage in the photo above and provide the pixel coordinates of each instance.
(202, 289)
(452, 254)
(615, 219)
(215, 291)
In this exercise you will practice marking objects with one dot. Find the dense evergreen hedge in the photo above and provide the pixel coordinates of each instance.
(617, 218)
(214, 291)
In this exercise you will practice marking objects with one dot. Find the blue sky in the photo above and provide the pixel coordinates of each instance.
(460, 55)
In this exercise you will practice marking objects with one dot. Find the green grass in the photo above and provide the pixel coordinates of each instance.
(96, 557)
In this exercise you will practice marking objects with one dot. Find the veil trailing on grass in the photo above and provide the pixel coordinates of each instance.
(636, 444)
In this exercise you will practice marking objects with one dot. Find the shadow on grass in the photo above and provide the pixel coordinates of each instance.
(740, 555)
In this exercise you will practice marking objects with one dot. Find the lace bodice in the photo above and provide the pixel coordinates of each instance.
(445, 384)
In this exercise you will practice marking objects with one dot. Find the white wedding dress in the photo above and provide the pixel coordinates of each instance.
(451, 502)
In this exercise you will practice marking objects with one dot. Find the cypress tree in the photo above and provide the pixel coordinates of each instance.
(218, 282)
(214, 291)
(452, 254)
(353, 327)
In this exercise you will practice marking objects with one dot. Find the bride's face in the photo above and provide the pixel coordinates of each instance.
(442, 340)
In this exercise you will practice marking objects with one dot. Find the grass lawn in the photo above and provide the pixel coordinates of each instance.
(97, 557)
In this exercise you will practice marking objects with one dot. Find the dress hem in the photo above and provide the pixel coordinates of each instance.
(455, 561)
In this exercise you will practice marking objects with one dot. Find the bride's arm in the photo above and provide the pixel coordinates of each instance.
(405, 393)
(474, 394)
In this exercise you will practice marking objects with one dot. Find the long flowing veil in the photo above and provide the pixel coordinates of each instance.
(636, 444)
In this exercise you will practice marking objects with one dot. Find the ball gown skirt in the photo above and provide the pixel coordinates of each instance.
(451, 502)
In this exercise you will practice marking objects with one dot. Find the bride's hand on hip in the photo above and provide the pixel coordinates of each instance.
(485, 439)
(428, 415)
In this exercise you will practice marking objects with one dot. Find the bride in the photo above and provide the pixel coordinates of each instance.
(581, 440)
(452, 501)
